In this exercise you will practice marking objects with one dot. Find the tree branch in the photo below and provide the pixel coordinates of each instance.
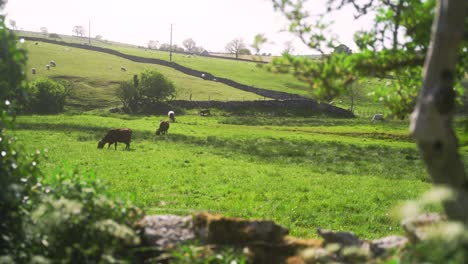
(431, 120)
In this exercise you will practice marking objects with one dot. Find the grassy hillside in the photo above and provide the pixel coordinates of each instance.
(243, 72)
(96, 76)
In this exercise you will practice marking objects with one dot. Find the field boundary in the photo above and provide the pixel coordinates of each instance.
(278, 107)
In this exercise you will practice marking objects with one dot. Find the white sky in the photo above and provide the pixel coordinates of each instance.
(210, 23)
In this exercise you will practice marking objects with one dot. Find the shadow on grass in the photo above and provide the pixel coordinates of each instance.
(319, 156)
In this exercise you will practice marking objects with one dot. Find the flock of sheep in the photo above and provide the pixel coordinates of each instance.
(51, 64)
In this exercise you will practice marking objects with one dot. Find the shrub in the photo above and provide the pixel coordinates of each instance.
(54, 35)
(142, 93)
(129, 96)
(47, 96)
(156, 87)
(12, 65)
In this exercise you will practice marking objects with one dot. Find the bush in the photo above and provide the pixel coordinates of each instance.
(156, 87)
(12, 65)
(143, 93)
(47, 96)
(129, 96)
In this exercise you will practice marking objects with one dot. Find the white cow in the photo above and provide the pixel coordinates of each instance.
(378, 117)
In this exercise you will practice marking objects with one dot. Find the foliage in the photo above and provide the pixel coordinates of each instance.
(18, 188)
(259, 41)
(12, 64)
(190, 45)
(79, 31)
(445, 242)
(129, 95)
(47, 96)
(44, 31)
(395, 46)
(197, 254)
(54, 35)
(153, 44)
(156, 87)
(245, 52)
(235, 46)
(77, 222)
(152, 87)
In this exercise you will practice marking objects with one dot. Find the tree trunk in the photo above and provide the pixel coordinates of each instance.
(432, 118)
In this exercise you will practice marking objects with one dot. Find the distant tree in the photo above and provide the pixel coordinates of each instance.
(98, 37)
(342, 48)
(259, 40)
(153, 44)
(44, 31)
(190, 45)
(288, 47)
(13, 24)
(165, 47)
(79, 31)
(54, 35)
(245, 52)
(235, 46)
(199, 50)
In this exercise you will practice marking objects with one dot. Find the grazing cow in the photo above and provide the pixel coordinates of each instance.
(33, 70)
(52, 63)
(205, 112)
(122, 68)
(171, 116)
(117, 135)
(163, 127)
(378, 117)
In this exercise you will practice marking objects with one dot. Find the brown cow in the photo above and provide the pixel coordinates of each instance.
(163, 127)
(117, 135)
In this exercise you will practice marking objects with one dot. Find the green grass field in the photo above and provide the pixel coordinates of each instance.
(306, 173)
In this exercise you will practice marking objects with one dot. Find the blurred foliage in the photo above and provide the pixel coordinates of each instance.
(62, 218)
(46, 96)
(12, 65)
(394, 48)
(195, 253)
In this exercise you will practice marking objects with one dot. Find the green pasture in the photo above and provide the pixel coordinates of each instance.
(95, 76)
(243, 72)
(305, 173)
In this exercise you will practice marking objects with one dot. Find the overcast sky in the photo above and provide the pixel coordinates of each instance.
(210, 23)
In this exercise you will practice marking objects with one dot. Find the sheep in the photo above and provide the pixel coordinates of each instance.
(122, 68)
(163, 128)
(52, 63)
(171, 116)
(204, 112)
(378, 117)
(47, 67)
(33, 70)
(116, 135)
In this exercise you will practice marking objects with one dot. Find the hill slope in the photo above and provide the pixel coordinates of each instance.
(96, 76)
